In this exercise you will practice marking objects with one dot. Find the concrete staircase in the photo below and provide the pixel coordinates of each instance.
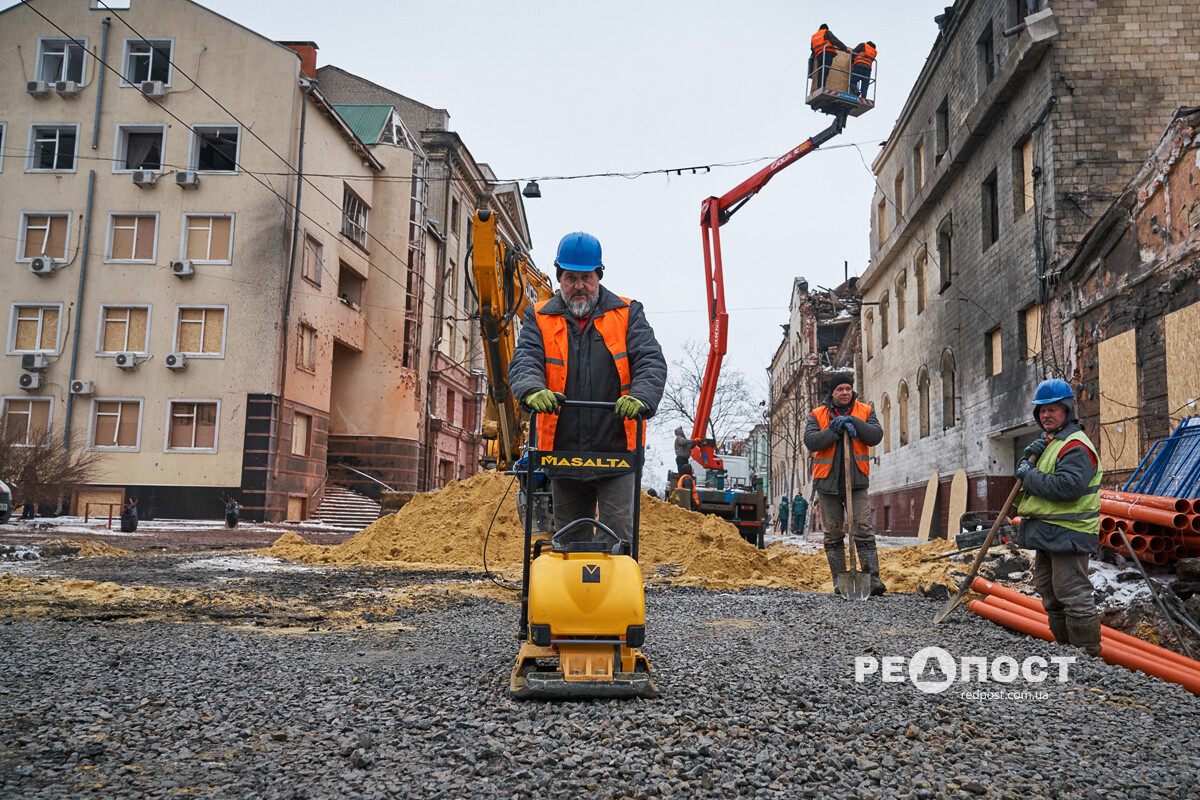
(346, 509)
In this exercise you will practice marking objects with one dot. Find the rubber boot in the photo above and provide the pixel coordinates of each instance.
(868, 557)
(836, 554)
(1058, 627)
(1085, 633)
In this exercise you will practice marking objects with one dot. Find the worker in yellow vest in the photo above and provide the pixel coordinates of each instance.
(1059, 504)
(824, 436)
(588, 344)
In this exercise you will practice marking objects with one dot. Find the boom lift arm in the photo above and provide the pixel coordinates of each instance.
(715, 212)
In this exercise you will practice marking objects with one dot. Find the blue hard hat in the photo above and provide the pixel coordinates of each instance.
(1052, 391)
(579, 252)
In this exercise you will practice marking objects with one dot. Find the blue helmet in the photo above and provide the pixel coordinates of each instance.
(1052, 391)
(579, 252)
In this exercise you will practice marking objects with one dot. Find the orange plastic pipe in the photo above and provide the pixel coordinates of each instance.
(1178, 505)
(1157, 516)
(1195, 522)
(1107, 523)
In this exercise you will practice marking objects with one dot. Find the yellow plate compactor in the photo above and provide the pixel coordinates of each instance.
(583, 607)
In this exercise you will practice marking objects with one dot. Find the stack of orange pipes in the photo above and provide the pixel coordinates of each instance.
(1160, 530)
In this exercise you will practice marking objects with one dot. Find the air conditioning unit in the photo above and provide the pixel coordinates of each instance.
(175, 361)
(145, 179)
(67, 88)
(152, 88)
(188, 180)
(42, 266)
(37, 88)
(34, 362)
(85, 388)
(126, 360)
(29, 381)
(182, 269)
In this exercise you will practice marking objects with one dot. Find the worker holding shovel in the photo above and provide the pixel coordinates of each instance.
(828, 426)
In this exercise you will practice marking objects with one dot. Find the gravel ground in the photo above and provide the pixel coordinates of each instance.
(759, 699)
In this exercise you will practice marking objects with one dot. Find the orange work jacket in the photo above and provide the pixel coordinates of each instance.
(613, 325)
(822, 44)
(688, 484)
(823, 458)
(864, 57)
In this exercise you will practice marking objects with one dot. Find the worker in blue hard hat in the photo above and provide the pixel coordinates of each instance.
(1059, 504)
(588, 344)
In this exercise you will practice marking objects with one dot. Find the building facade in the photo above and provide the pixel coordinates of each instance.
(1024, 124)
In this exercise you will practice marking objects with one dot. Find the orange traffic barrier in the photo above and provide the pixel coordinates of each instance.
(1156, 516)
(1176, 504)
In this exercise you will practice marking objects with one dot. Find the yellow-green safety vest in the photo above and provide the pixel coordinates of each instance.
(1083, 514)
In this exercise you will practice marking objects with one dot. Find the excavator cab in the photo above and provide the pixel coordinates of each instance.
(838, 90)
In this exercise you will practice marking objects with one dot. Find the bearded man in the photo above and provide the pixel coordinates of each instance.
(588, 344)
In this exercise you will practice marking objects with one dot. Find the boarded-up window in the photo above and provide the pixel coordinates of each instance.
(312, 263)
(201, 331)
(885, 420)
(994, 352)
(133, 237)
(208, 238)
(919, 275)
(193, 426)
(1182, 329)
(1023, 176)
(918, 167)
(1031, 326)
(902, 412)
(115, 424)
(26, 423)
(306, 348)
(301, 434)
(35, 329)
(45, 236)
(949, 412)
(1119, 408)
(123, 329)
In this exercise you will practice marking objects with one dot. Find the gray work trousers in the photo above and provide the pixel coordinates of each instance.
(1061, 580)
(833, 513)
(580, 500)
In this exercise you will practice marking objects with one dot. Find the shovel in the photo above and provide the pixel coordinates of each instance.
(853, 584)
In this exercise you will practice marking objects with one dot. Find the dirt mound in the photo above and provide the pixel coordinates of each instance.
(447, 529)
(80, 548)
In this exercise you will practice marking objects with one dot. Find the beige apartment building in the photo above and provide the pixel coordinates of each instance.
(215, 281)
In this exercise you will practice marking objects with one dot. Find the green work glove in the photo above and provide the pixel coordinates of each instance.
(629, 406)
(542, 401)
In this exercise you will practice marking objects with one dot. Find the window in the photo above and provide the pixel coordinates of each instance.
(34, 329)
(985, 56)
(123, 329)
(898, 195)
(139, 147)
(948, 411)
(312, 260)
(869, 334)
(132, 237)
(61, 60)
(901, 300)
(919, 276)
(147, 60)
(942, 132)
(413, 301)
(454, 215)
(3, 143)
(301, 434)
(354, 218)
(350, 286)
(993, 358)
(923, 400)
(468, 413)
(918, 166)
(200, 331)
(214, 148)
(192, 425)
(208, 238)
(945, 261)
(885, 420)
(881, 220)
(445, 472)
(902, 412)
(44, 235)
(1023, 176)
(306, 348)
(116, 424)
(450, 406)
(1031, 331)
(883, 320)
(52, 148)
(989, 212)
(25, 422)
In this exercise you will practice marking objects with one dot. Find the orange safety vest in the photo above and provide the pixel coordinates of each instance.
(690, 487)
(612, 325)
(822, 44)
(865, 57)
(823, 458)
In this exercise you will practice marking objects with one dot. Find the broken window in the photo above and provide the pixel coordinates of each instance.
(61, 60)
(52, 148)
(312, 261)
(989, 212)
(301, 434)
(898, 195)
(883, 320)
(193, 426)
(354, 217)
(994, 352)
(123, 329)
(208, 238)
(116, 424)
(214, 148)
(902, 412)
(948, 410)
(923, 401)
(147, 60)
(919, 277)
(200, 331)
(1023, 176)
(945, 259)
(139, 147)
(26, 422)
(35, 329)
(306, 349)
(942, 130)
(901, 300)
(885, 414)
(918, 166)
(985, 55)
(44, 236)
(132, 237)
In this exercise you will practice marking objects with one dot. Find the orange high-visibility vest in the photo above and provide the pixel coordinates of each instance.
(864, 57)
(690, 486)
(823, 458)
(822, 44)
(612, 325)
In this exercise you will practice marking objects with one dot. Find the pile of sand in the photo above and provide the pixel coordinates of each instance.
(447, 529)
(80, 548)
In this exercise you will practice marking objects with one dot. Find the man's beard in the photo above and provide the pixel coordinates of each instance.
(582, 306)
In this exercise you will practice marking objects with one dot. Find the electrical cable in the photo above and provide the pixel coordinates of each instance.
(486, 571)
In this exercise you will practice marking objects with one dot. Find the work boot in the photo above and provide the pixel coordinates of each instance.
(837, 563)
(1085, 633)
(868, 557)
(1058, 627)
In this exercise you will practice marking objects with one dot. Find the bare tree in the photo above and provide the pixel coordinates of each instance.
(42, 473)
(735, 408)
